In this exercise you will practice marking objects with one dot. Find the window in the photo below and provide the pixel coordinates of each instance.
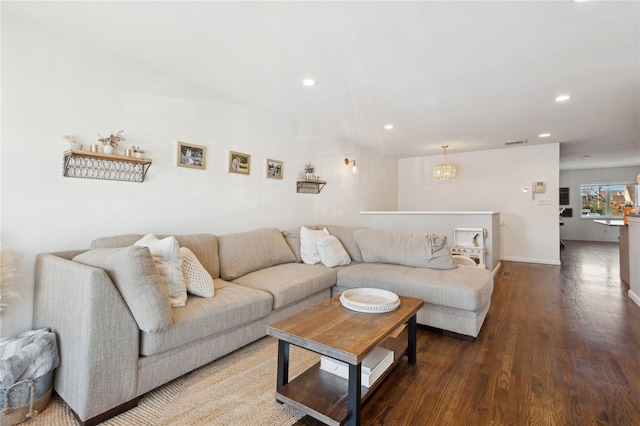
(607, 199)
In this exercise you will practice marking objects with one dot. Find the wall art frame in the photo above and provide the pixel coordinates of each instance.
(239, 163)
(191, 155)
(275, 169)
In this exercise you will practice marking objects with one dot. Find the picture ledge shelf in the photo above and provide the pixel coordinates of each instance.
(95, 165)
(310, 186)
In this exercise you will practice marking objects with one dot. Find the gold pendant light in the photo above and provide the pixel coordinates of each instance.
(445, 170)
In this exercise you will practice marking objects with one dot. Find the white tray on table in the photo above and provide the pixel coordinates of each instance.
(370, 300)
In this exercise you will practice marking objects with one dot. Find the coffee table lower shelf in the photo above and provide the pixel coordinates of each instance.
(323, 395)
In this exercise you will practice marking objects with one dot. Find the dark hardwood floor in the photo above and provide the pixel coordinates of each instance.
(560, 346)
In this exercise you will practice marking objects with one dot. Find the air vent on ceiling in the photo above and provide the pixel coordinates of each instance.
(512, 143)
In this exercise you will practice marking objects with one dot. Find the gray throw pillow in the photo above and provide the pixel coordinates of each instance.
(133, 272)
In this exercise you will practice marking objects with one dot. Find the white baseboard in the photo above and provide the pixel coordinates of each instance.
(496, 269)
(634, 297)
(530, 260)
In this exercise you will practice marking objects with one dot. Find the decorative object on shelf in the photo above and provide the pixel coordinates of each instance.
(110, 143)
(444, 170)
(370, 300)
(309, 170)
(73, 142)
(94, 165)
(137, 151)
(274, 169)
(191, 155)
(310, 186)
(354, 169)
(239, 163)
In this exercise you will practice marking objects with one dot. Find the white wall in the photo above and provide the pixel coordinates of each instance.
(52, 87)
(492, 181)
(576, 228)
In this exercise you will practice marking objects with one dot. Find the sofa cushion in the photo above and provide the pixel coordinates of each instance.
(463, 288)
(289, 283)
(233, 306)
(345, 235)
(418, 250)
(166, 255)
(292, 236)
(308, 247)
(133, 272)
(204, 246)
(245, 252)
(331, 252)
(197, 279)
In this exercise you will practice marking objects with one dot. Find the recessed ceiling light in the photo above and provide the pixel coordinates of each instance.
(388, 126)
(586, 157)
(544, 135)
(562, 98)
(309, 82)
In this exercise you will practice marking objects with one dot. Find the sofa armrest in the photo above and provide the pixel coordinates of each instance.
(98, 338)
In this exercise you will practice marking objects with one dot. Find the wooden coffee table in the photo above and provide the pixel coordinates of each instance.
(339, 333)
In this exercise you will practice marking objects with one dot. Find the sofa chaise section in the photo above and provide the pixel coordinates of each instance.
(456, 300)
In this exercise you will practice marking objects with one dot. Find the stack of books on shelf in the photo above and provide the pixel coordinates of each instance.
(373, 366)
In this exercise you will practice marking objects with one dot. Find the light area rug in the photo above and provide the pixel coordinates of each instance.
(238, 389)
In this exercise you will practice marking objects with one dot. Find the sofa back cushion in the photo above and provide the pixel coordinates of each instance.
(204, 246)
(245, 252)
(345, 235)
(133, 272)
(417, 250)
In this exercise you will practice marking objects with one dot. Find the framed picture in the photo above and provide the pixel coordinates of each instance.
(190, 155)
(239, 163)
(274, 169)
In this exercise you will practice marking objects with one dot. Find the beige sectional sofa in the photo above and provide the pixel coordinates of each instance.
(119, 337)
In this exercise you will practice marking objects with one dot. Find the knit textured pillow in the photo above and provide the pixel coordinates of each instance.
(197, 279)
(331, 252)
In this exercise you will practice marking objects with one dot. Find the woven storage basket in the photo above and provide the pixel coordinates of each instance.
(24, 399)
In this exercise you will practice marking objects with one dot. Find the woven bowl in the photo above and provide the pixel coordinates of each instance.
(76, 146)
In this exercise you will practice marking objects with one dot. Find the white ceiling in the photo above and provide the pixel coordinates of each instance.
(470, 75)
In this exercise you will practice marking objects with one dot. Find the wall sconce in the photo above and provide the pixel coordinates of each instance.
(355, 168)
(444, 170)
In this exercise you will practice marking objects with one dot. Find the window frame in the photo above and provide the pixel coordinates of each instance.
(608, 190)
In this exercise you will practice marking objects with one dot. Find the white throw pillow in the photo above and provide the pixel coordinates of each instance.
(331, 252)
(166, 255)
(197, 279)
(308, 249)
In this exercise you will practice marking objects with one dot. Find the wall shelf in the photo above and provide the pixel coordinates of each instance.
(95, 165)
(310, 186)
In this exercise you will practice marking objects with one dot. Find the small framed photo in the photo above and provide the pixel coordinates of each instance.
(239, 163)
(274, 169)
(190, 155)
